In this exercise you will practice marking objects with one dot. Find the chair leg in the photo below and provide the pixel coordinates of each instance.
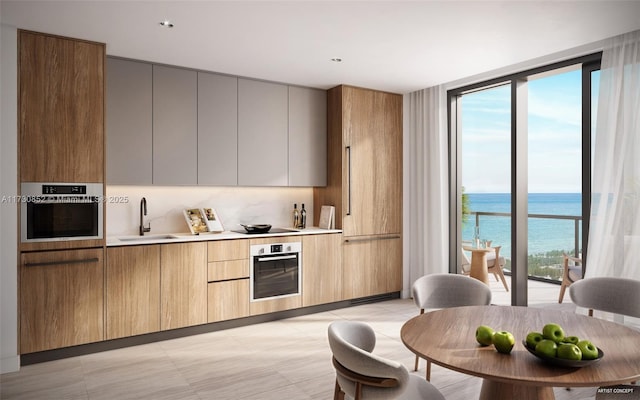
(428, 373)
(358, 394)
(504, 281)
(415, 367)
(562, 289)
(338, 394)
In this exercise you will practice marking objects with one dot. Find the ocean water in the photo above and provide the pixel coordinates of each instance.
(544, 234)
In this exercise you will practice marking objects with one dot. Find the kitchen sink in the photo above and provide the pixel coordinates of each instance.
(146, 237)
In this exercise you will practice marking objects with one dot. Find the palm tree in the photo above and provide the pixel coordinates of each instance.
(465, 207)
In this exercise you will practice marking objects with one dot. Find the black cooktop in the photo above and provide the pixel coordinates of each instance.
(272, 230)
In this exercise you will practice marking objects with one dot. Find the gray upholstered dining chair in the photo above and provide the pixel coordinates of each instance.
(614, 295)
(363, 375)
(447, 290)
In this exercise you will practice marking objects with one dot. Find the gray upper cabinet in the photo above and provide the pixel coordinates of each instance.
(129, 122)
(307, 137)
(217, 129)
(262, 133)
(175, 126)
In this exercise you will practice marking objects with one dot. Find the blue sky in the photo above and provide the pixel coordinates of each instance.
(554, 137)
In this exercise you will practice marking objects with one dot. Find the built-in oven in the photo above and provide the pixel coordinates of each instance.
(61, 211)
(275, 270)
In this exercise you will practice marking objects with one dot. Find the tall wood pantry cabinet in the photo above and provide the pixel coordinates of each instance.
(60, 139)
(364, 183)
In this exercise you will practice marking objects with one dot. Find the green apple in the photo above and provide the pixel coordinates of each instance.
(533, 338)
(569, 351)
(589, 351)
(553, 332)
(484, 335)
(570, 339)
(503, 341)
(547, 348)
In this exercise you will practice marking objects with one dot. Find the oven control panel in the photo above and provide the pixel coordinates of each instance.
(275, 248)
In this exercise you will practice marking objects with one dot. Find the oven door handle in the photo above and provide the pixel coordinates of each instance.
(277, 258)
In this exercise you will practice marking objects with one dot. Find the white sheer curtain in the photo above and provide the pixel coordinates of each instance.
(614, 231)
(428, 224)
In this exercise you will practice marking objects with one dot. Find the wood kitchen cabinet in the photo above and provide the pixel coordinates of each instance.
(217, 129)
(132, 290)
(364, 183)
(175, 126)
(371, 266)
(129, 122)
(61, 299)
(262, 133)
(183, 285)
(307, 136)
(321, 269)
(228, 276)
(61, 109)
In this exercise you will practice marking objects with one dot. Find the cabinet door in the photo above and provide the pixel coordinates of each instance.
(61, 299)
(372, 195)
(372, 266)
(307, 137)
(228, 300)
(129, 122)
(175, 132)
(61, 109)
(321, 269)
(183, 285)
(262, 133)
(133, 291)
(217, 129)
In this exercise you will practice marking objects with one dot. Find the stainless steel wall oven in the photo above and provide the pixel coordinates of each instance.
(61, 211)
(275, 270)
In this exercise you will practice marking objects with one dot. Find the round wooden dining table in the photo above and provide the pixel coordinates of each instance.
(447, 338)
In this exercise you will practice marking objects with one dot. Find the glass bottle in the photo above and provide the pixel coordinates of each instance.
(296, 216)
(303, 218)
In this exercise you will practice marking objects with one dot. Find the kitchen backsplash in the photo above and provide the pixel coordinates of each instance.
(235, 205)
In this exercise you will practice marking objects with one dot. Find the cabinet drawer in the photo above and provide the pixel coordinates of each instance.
(228, 300)
(223, 250)
(224, 270)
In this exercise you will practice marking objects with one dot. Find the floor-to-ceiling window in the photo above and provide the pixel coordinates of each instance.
(520, 170)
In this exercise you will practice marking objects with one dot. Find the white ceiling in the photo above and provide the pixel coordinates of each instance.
(399, 46)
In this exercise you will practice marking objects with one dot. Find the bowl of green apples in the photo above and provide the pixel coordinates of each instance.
(553, 347)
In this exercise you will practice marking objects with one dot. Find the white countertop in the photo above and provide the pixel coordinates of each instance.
(156, 238)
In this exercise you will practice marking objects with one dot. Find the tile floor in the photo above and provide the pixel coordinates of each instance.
(285, 359)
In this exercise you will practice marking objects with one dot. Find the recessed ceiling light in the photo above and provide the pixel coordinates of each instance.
(166, 23)
(337, 59)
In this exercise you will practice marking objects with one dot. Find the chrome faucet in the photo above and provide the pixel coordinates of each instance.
(143, 212)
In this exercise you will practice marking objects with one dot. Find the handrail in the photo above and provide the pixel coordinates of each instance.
(575, 218)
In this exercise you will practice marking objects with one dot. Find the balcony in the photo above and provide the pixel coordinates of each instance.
(545, 251)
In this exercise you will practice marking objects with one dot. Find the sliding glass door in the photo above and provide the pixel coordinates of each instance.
(520, 173)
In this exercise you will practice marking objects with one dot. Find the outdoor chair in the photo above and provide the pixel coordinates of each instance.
(572, 273)
(493, 267)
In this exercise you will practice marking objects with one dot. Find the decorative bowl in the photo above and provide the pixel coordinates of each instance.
(561, 362)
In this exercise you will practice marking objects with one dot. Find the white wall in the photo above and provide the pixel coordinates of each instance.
(9, 359)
